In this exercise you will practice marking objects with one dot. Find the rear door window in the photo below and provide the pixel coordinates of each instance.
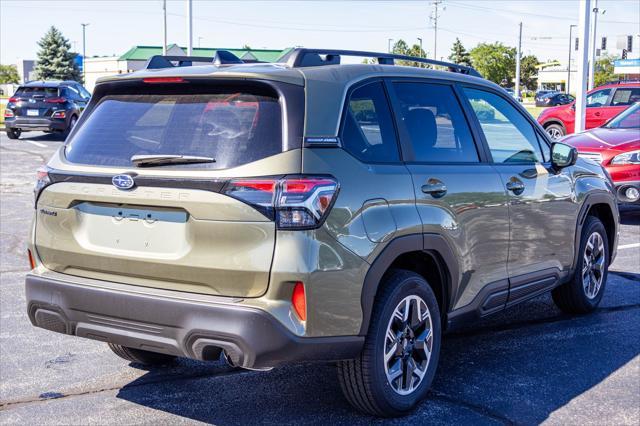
(233, 128)
(626, 96)
(435, 123)
(368, 132)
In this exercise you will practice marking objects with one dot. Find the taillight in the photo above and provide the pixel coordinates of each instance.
(59, 114)
(293, 202)
(8, 113)
(299, 301)
(14, 99)
(42, 181)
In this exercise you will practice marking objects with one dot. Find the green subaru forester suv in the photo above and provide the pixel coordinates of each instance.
(310, 210)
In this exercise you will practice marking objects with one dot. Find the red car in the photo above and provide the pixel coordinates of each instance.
(603, 103)
(615, 145)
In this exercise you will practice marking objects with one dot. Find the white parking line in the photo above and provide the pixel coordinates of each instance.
(41, 145)
(626, 246)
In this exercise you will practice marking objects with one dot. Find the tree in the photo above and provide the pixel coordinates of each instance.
(529, 72)
(495, 61)
(459, 54)
(402, 48)
(9, 74)
(603, 72)
(55, 60)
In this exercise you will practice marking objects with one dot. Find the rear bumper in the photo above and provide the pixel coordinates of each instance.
(39, 124)
(181, 324)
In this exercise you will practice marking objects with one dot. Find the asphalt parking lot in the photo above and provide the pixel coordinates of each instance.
(526, 366)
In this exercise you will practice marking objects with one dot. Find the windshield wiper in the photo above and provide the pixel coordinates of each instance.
(163, 159)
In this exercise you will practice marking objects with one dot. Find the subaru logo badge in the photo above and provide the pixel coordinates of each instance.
(122, 181)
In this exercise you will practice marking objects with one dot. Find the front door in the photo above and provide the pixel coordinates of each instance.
(542, 210)
(458, 195)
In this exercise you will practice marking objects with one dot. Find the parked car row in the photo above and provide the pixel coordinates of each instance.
(49, 106)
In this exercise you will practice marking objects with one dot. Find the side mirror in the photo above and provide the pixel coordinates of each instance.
(563, 155)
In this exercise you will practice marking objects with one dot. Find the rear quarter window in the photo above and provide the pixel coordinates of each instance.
(234, 128)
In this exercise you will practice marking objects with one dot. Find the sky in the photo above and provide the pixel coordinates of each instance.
(116, 26)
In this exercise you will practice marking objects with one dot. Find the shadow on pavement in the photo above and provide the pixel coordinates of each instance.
(518, 368)
(630, 215)
(42, 137)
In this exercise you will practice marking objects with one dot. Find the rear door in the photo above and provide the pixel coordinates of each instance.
(542, 209)
(458, 194)
(178, 227)
(598, 109)
(622, 98)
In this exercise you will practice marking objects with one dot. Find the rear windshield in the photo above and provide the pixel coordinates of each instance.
(232, 128)
(47, 92)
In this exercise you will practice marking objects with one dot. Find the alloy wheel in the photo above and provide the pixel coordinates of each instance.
(555, 133)
(408, 345)
(593, 265)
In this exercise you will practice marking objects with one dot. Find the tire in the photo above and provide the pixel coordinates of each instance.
(555, 131)
(141, 357)
(365, 380)
(582, 295)
(14, 133)
(72, 124)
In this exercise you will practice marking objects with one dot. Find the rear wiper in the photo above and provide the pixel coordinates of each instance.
(162, 159)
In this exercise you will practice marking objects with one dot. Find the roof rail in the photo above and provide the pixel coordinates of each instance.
(623, 81)
(222, 57)
(302, 57)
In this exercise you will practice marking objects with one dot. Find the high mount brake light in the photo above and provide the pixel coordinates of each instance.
(163, 80)
(293, 202)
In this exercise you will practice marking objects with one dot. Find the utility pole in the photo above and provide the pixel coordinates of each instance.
(190, 27)
(519, 55)
(568, 85)
(389, 45)
(420, 41)
(164, 27)
(583, 65)
(434, 18)
(84, 54)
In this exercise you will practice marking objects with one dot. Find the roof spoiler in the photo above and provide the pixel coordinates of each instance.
(222, 57)
(301, 57)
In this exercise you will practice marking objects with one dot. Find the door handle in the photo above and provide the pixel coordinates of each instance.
(597, 114)
(435, 188)
(515, 185)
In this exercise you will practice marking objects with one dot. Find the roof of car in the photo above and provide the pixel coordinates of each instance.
(48, 83)
(325, 85)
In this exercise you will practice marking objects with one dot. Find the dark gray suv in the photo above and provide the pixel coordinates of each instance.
(310, 210)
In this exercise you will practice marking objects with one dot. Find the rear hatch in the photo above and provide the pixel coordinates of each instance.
(176, 227)
(37, 102)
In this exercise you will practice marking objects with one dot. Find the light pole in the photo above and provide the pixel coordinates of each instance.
(164, 27)
(568, 85)
(592, 51)
(84, 54)
(190, 27)
(518, 58)
(420, 41)
(583, 64)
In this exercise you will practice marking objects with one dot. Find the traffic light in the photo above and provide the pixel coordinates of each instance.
(577, 42)
(603, 46)
(629, 43)
(624, 53)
